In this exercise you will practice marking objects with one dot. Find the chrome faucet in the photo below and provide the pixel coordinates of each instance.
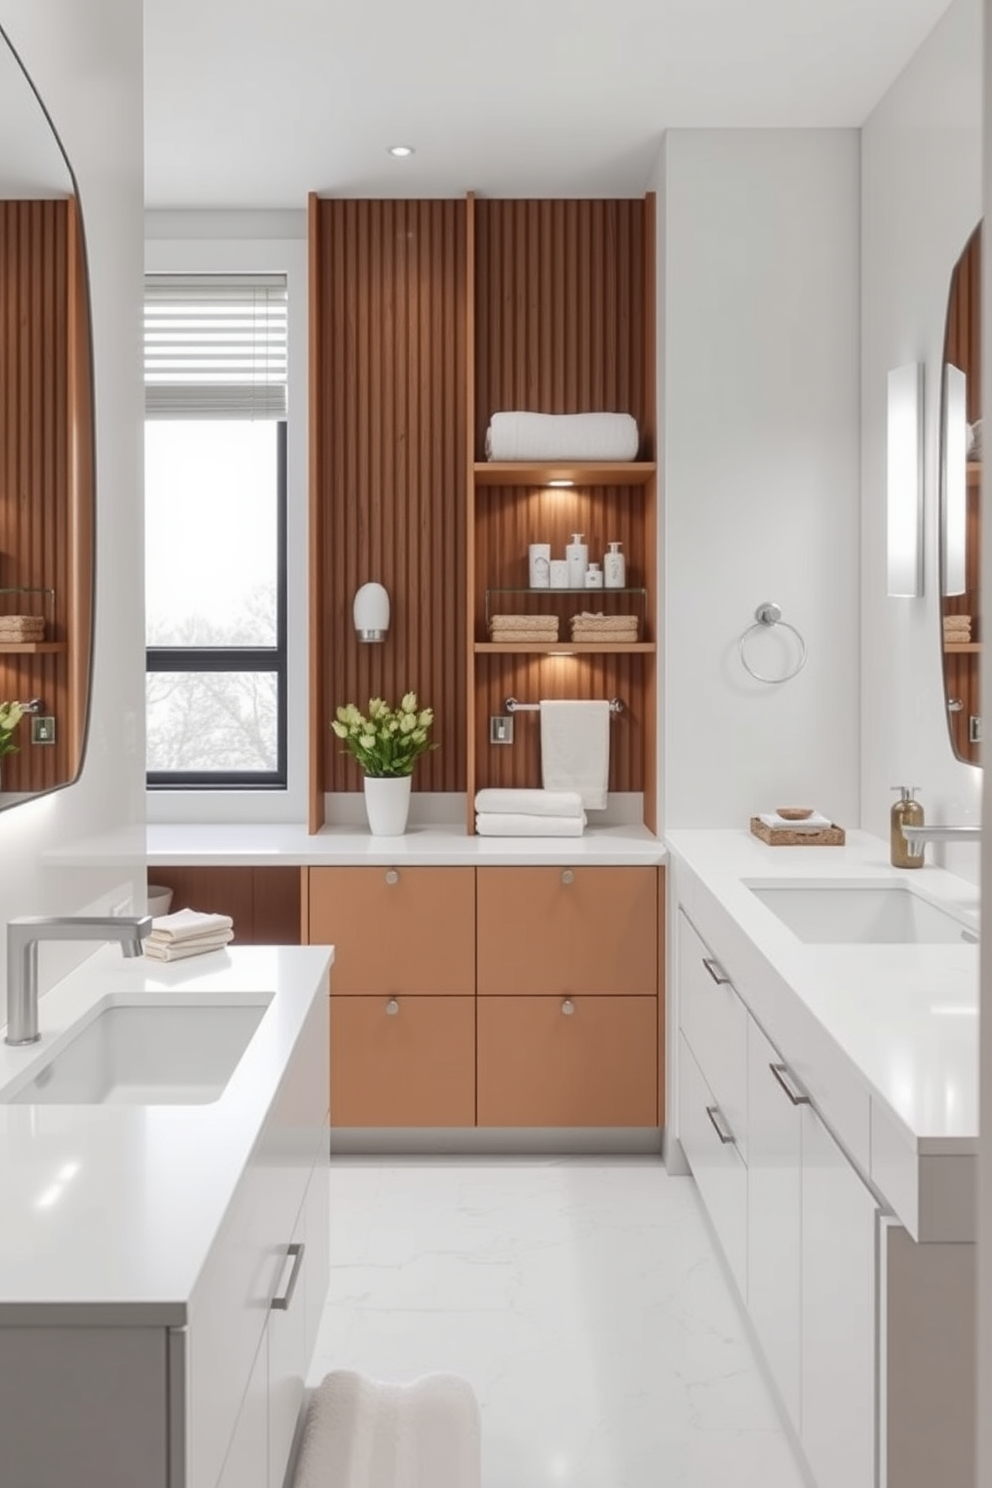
(918, 837)
(23, 935)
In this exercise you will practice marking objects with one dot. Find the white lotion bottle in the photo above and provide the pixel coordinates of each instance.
(615, 568)
(577, 558)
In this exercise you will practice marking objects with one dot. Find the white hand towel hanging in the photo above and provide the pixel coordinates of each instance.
(575, 749)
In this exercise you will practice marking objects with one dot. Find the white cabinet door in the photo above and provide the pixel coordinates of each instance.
(287, 1353)
(839, 1218)
(714, 1021)
(774, 1206)
(317, 1276)
(711, 1152)
(247, 1462)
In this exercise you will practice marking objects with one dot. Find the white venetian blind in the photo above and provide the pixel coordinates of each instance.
(215, 346)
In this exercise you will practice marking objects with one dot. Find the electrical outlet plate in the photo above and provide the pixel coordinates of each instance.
(500, 730)
(42, 728)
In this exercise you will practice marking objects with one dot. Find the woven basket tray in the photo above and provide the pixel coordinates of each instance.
(832, 836)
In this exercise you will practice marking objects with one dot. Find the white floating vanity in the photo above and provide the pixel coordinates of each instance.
(824, 1092)
(165, 1236)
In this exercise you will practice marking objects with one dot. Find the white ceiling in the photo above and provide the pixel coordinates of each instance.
(254, 103)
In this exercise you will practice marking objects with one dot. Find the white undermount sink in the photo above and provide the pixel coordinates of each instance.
(144, 1052)
(869, 913)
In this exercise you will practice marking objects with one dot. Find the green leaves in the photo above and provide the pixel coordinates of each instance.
(388, 741)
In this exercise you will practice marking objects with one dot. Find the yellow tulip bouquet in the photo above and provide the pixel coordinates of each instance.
(10, 716)
(386, 742)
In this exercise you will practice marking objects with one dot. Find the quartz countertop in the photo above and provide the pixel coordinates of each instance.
(118, 1206)
(904, 1017)
(441, 845)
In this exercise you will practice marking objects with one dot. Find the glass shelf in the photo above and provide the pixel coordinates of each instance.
(548, 593)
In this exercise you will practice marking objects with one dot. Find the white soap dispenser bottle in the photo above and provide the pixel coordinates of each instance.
(577, 558)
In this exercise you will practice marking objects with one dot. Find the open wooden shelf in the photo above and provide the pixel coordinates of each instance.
(33, 648)
(579, 472)
(567, 648)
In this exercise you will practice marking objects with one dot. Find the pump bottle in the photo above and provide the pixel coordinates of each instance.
(908, 812)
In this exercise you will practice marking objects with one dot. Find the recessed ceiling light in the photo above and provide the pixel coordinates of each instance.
(400, 150)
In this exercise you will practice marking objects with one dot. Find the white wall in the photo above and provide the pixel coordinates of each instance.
(921, 199)
(86, 61)
(760, 413)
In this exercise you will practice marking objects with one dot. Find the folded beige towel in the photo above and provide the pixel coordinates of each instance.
(521, 824)
(179, 950)
(187, 924)
(609, 622)
(541, 637)
(957, 620)
(524, 622)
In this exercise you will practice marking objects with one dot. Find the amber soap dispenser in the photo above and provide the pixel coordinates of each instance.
(906, 812)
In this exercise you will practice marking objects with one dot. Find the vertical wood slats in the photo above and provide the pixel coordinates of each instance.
(388, 492)
(45, 466)
(560, 310)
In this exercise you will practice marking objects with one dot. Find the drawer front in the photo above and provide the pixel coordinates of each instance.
(565, 931)
(230, 1304)
(584, 1061)
(714, 1021)
(404, 1061)
(717, 1166)
(409, 930)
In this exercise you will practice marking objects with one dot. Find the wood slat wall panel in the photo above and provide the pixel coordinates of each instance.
(560, 310)
(389, 366)
(36, 468)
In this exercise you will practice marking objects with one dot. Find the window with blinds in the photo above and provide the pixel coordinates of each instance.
(215, 529)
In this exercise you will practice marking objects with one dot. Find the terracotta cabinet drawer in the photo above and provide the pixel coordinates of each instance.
(568, 930)
(583, 1061)
(396, 930)
(402, 1061)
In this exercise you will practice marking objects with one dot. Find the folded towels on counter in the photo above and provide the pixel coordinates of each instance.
(815, 823)
(529, 802)
(522, 824)
(561, 436)
(188, 933)
(575, 748)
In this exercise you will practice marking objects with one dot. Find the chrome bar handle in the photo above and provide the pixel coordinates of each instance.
(725, 1135)
(281, 1304)
(780, 1071)
(716, 971)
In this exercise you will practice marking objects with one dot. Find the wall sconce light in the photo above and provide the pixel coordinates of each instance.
(904, 481)
(371, 612)
(954, 482)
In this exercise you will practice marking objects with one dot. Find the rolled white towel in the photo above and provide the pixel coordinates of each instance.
(815, 823)
(520, 824)
(188, 924)
(529, 802)
(362, 1434)
(561, 436)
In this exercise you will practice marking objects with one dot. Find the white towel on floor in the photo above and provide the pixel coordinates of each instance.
(575, 749)
(519, 824)
(814, 823)
(530, 802)
(185, 924)
(197, 945)
(361, 1434)
(562, 436)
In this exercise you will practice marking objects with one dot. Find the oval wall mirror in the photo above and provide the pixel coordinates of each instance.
(47, 481)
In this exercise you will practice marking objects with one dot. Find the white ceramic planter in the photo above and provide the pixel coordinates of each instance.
(387, 804)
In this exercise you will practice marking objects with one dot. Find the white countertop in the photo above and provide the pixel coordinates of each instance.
(242, 844)
(904, 1017)
(120, 1205)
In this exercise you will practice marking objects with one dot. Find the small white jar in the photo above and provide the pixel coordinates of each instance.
(594, 576)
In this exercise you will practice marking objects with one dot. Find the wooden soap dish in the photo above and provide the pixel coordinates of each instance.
(832, 836)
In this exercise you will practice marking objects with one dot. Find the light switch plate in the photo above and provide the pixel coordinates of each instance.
(42, 729)
(500, 730)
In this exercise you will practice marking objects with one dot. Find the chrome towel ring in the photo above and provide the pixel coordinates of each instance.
(766, 616)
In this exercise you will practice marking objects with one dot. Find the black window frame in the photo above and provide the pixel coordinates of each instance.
(239, 659)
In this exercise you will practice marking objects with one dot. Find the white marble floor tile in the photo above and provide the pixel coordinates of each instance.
(582, 1300)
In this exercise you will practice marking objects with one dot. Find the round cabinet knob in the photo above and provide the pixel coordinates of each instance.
(568, 1007)
(568, 876)
(392, 877)
(392, 1007)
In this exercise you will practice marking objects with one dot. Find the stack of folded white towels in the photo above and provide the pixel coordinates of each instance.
(19, 629)
(590, 626)
(188, 933)
(519, 629)
(957, 629)
(529, 813)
